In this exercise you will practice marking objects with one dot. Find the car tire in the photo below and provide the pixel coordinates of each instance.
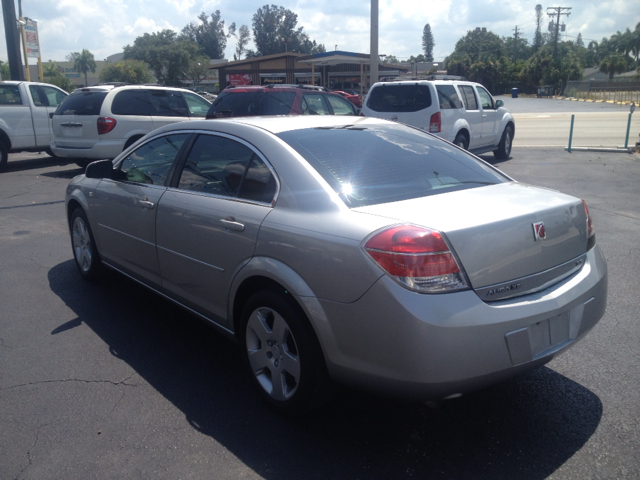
(83, 162)
(85, 252)
(4, 156)
(282, 354)
(461, 141)
(504, 147)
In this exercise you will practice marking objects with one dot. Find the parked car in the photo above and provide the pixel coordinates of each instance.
(355, 99)
(345, 249)
(249, 100)
(100, 122)
(24, 117)
(463, 113)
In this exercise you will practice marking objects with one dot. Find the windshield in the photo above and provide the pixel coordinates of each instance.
(372, 164)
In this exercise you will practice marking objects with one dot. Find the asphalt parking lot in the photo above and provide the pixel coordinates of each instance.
(109, 381)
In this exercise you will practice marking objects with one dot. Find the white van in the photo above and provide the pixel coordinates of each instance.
(463, 113)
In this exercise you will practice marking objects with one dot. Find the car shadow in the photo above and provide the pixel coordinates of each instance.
(40, 161)
(490, 158)
(525, 428)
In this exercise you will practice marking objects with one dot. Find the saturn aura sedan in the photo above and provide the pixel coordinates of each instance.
(345, 250)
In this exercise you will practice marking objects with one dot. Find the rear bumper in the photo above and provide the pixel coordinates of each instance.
(425, 347)
(104, 149)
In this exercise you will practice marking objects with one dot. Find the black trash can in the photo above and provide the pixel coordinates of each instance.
(514, 93)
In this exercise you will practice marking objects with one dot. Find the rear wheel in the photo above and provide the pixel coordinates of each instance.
(282, 353)
(504, 147)
(83, 162)
(461, 141)
(4, 156)
(84, 248)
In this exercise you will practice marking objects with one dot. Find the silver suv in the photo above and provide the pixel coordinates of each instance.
(464, 113)
(100, 122)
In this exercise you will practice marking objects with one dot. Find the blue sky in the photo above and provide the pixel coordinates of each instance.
(105, 26)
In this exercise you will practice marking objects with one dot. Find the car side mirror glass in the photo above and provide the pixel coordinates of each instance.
(499, 103)
(99, 169)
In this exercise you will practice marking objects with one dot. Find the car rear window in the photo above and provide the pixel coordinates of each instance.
(240, 103)
(10, 95)
(399, 98)
(82, 103)
(372, 164)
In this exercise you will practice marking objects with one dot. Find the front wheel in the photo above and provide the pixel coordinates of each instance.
(504, 147)
(282, 353)
(84, 248)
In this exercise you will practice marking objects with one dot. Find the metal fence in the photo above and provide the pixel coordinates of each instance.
(617, 90)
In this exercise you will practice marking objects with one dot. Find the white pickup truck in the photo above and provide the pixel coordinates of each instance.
(25, 117)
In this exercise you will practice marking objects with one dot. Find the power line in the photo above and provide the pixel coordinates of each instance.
(557, 11)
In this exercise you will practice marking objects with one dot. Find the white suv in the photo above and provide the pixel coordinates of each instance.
(464, 113)
(100, 122)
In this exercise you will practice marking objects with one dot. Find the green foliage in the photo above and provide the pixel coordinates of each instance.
(4, 70)
(613, 64)
(167, 55)
(243, 38)
(128, 71)
(428, 43)
(83, 62)
(275, 31)
(53, 75)
(198, 69)
(390, 59)
(480, 46)
(209, 34)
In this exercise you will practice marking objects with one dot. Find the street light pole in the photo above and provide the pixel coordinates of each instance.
(373, 53)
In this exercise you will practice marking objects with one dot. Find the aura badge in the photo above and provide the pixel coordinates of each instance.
(539, 231)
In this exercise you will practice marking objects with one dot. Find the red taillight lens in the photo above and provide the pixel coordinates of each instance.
(591, 231)
(418, 258)
(105, 125)
(435, 123)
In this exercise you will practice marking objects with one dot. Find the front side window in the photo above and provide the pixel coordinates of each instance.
(54, 96)
(448, 97)
(341, 106)
(39, 100)
(151, 162)
(166, 103)
(399, 98)
(314, 104)
(469, 97)
(198, 106)
(485, 99)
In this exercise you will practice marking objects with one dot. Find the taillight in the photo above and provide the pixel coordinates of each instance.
(435, 123)
(418, 258)
(591, 231)
(105, 125)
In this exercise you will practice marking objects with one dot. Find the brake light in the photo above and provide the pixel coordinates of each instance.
(435, 123)
(418, 258)
(591, 231)
(105, 125)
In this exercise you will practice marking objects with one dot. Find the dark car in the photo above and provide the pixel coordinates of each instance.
(249, 100)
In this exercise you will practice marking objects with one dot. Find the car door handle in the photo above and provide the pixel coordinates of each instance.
(231, 224)
(145, 203)
(71, 124)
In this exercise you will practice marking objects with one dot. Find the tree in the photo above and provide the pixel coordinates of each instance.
(198, 69)
(54, 76)
(128, 71)
(209, 34)
(5, 73)
(390, 59)
(613, 64)
(243, 39)
(83, 62)
(167, 55)
(537, 39)
(274, 31)
(480, 45)
(428, 43)
(579, 41)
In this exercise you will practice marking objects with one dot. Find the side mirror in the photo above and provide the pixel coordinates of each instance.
(100, 169)
(499, 103)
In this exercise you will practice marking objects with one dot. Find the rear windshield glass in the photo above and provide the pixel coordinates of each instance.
(244, 104)
(82, 103)
(10, 95)
(399, 98)
(372, 164)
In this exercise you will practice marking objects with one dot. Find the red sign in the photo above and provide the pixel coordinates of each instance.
(239, 79)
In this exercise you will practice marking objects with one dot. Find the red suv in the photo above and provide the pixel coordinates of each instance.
(251, 100)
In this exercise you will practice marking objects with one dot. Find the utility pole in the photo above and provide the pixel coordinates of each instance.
(557, 11)
(515, 45)
(373, 52)
(13, 40)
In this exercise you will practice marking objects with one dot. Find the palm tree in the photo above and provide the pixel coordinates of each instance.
(613, 64)
(83, 62)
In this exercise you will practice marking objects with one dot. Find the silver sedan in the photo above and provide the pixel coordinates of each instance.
(350, 250)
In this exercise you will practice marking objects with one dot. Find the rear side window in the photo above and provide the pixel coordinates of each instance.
(277, 103)
(399, 98)
(82, 103)
(469, 97)
(236, 104)
(132, 102)
(372, 164)
(448, 97)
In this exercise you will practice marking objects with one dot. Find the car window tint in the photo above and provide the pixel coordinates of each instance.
(237, 103)
(10, 95)
(278, 103)
(314, 104)
(448, 97)
(215, 165)
(151, 162)
(132, 102)
(39, 99)
(259, 183)
(54, 96)
(485, 99)
(198, 106)
(82, 103)
(373, 164)
(341, 106)
(399, 98)
(166, 103)
(469, 97)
